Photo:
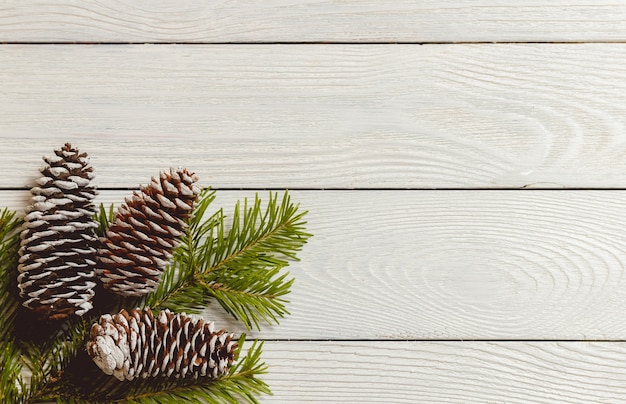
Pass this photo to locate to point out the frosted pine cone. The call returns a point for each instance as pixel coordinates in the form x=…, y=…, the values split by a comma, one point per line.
x=140, y=344
x=146, y=229
x=57, y=254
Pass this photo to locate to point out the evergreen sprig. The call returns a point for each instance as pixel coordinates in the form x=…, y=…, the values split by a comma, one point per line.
x=13, y=389
x=49, y=359
x=104, y=217
x=9, y=245
x=239, y=264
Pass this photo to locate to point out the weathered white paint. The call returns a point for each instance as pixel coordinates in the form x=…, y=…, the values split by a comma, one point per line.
x=446, y=372
x=450, y=265
x=312, y=20
x=323, y=116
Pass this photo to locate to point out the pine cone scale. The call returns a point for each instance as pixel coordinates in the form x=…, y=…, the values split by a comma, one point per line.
x=165, y=202
x=66, y=185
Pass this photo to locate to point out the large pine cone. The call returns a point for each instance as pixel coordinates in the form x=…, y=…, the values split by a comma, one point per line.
x=57, y=254
x=140, y=344
x=146, y=229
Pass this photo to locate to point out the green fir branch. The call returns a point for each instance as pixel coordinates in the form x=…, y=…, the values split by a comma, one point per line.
x=51, y=358
x=10, y=225
x=13, y=389
x=253, y=296
x=47, y=355
x=239, y=266
x=184, y=264
x=104, y=217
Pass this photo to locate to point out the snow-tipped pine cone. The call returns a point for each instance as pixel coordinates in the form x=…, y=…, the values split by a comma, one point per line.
x=147, y=227
x=58, y=241
x=140, y=344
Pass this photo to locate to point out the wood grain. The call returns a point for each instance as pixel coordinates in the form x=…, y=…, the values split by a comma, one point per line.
x=322, y=116
x=446, y=372
x=308, y=20
x=451, y=265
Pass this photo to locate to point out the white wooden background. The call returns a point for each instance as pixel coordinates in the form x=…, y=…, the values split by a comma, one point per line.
x=463, y=162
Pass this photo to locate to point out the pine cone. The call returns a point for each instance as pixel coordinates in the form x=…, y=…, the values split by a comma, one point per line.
x=57, y=254
x=146, y=229
x=140, y=344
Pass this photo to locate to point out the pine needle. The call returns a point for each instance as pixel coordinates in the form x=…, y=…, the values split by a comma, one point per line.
x=238, y=264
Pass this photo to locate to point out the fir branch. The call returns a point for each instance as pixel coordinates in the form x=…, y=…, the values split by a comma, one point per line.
x=253, y=296
x=64, y=347
x=239, y=267
x=13, y=389
x=9, y=225
x=180, y=273
x=48, y=358
x=104, y=217
x=9, y=245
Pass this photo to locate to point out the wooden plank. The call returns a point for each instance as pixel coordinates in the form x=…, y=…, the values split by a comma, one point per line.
x=308, y=20
x=340, y=116
x=451, y=265
x=446, y=372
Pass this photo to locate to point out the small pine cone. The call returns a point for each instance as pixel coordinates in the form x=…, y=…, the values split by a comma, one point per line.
x=141, y=344
x=58, y=241
x=146, y=229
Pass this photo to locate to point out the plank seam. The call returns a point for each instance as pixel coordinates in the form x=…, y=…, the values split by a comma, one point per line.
x=314, y=43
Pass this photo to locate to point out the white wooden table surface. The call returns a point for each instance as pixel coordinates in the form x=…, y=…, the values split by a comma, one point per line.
x=463, y=162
